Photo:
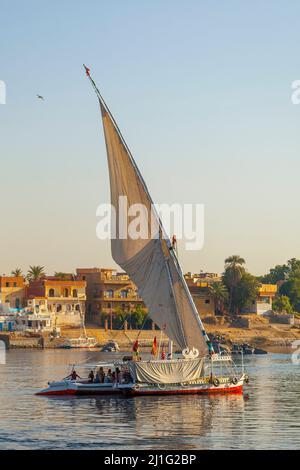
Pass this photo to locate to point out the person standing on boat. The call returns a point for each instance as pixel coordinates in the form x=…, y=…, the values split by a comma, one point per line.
x=118, y=375
x=101, y=374
x=91, y=377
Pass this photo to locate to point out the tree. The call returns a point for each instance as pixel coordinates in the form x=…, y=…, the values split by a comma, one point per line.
x=278, y=273
x=121, y=316
x=220, y=295
x=245, y=291
x=233, y=272
x=17, y=272
x=35, y=273
x=282, y=305
x=139, y=316
x=291, y=289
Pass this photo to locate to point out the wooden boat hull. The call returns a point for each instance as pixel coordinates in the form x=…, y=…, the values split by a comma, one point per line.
x=178, y=389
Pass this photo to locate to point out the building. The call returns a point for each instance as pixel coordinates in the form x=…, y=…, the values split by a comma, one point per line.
x=198, y=285
x=108, y=292
x=13, y=291
x=64, y=299
x=263, y=303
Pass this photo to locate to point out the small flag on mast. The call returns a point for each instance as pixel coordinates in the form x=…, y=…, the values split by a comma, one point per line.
x=154, y=347
x=136, y=346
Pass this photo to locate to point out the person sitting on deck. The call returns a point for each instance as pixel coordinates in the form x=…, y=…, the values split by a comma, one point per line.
x=91, y=377
x=113, y=377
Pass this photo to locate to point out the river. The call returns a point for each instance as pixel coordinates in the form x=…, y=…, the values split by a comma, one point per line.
x=266, y=417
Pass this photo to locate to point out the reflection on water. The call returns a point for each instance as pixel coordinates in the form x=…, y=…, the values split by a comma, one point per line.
x=266, y=417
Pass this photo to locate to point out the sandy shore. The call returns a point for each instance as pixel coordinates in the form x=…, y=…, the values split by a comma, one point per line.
x=258, y=332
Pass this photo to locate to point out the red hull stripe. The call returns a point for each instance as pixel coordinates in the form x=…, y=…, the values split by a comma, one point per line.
x=237, y=389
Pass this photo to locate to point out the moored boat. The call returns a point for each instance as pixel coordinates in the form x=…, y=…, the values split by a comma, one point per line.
x=181, y=377
x=150, y=259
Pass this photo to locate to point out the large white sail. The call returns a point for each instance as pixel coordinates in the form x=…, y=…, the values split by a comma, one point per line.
x=149, y=261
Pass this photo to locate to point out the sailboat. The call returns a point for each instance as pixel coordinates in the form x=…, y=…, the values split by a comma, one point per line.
x=152, y=264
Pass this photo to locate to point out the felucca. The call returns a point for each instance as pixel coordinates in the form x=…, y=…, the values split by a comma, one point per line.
x=152, y=264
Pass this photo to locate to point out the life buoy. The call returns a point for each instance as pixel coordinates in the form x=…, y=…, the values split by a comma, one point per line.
x=216, y=382
x=234, y=380
x=162, y=386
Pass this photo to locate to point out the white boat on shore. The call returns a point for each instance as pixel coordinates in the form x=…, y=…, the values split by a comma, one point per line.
x=82, y=342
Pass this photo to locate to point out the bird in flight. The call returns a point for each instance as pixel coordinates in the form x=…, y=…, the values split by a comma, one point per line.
x=40, y=97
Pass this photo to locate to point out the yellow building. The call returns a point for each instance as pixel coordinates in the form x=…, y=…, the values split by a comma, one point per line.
x=13, y=291
x=65, y=299
x=263, y=303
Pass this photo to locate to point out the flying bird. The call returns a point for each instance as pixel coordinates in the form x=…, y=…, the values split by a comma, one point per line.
x=40, y=97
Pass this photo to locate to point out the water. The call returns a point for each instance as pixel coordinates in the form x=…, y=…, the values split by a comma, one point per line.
x=266, y=417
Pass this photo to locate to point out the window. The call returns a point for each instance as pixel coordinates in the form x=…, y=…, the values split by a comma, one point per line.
x=7, y=284
x=124, y=294
x=75, y=293
x=207, y=301
x=51, y=293
x=66, y=292
x=15, y=284
x=109, y=293
x=58, y=308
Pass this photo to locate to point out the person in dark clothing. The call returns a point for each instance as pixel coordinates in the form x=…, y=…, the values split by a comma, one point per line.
x=91, y=377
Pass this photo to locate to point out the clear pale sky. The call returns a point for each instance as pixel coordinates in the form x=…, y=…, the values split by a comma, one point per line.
x=201, y=91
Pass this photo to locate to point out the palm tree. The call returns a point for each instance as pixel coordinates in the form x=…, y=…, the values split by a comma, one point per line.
x=233, y=272
x=17, y=272
x=220, y=295
x=35, y=273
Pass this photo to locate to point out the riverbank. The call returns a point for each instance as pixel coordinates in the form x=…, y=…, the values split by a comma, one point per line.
x=257, y=331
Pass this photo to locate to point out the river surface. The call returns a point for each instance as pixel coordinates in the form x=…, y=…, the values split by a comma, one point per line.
x=266, y=417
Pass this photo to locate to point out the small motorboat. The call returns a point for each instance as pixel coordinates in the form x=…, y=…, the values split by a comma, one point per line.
x=74, y=384
x=111, y=346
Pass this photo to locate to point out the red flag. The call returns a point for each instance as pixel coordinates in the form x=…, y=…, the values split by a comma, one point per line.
x=154, y=347
x=136, y=346
x=163, y=354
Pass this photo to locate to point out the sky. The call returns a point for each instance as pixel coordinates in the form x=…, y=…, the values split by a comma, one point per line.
x=202, y=93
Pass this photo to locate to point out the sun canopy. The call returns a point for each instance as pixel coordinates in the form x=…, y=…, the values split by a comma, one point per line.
x=162, y=372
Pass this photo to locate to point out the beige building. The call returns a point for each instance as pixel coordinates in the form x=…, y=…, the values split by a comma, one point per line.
x=108, y=292
x=198, y=285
